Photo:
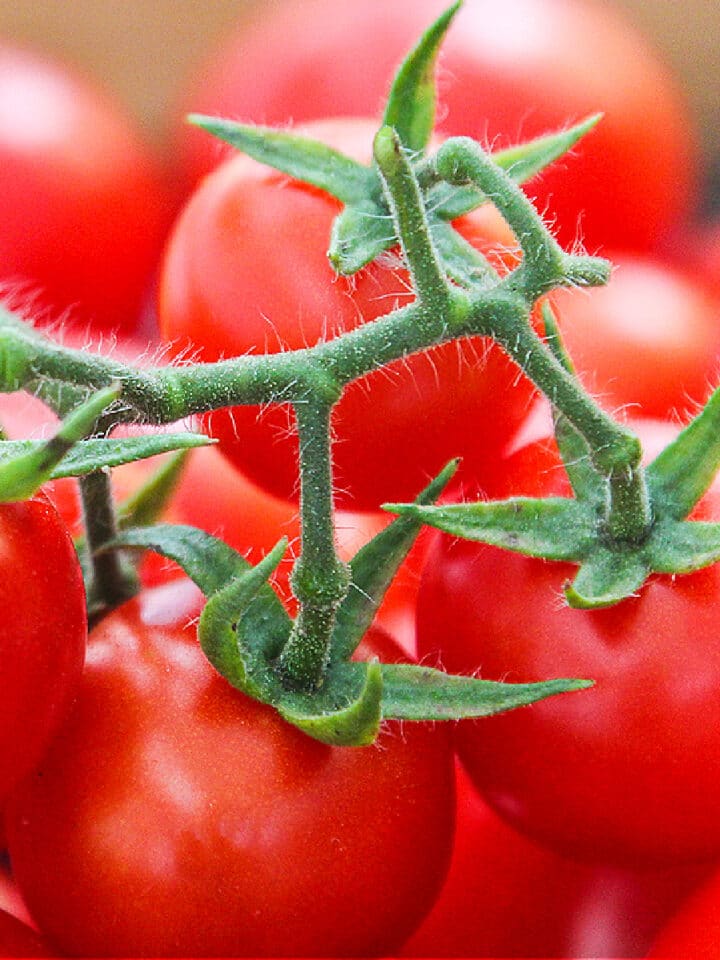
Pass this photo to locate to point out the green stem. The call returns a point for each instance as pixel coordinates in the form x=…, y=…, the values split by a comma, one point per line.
x=320, y=579
x=111, y=581
x=545, y=265
x=405, y=202
x=615, y=451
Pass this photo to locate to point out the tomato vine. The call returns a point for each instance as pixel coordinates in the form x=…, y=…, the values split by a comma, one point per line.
x=623, y=522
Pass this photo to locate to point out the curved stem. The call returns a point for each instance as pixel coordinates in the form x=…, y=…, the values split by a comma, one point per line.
x=545, y=264
x=614, y=450
x=320, y=579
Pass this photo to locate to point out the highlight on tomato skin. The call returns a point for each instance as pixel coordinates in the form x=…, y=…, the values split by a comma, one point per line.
x=507, y=72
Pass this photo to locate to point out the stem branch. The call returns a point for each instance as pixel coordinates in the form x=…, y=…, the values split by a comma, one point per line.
x=320, y=579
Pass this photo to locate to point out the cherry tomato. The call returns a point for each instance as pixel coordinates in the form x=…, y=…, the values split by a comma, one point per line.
x=43, y=633
x=508, y=71
x=246, y=271
x=184, y=819
x=648, y=342
x=628, y=771
x=83, y=204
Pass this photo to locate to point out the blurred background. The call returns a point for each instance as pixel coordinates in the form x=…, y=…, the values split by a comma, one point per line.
x=142, y=49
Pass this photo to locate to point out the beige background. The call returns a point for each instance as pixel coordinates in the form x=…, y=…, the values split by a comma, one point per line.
x=142, y=48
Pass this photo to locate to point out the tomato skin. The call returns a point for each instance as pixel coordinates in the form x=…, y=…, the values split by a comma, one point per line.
x=188, y=820
x=508, y=71
x=83, y=203
x=694, y=931
x=42, y=635
x=628, y=771
x=19, y=940
x=229, y=286
x=648, y=342
x=506, y=896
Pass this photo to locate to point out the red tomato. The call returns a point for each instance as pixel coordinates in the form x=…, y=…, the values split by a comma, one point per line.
x=628, y=771
x=508, y=897
x=83, y=205
x=19, y=940
x=223, y=290
x=694, y=932
x=43, y=633
x=508, y=71
x=649, y=341
x=176, y=817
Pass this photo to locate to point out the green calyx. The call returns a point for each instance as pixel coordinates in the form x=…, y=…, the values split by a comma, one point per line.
x=617, y=539
x=244, y=629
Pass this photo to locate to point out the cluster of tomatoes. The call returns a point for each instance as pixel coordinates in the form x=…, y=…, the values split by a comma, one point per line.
x=149, y=809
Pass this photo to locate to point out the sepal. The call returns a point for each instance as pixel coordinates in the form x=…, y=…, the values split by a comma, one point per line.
x=606, y=577
x=359, y=235
x=413, y=692
x=208, y=561
x=300, y=157
x=679, y=476
x=352, y=724
x=373, y=568
x=241, y=629
x=555, y=528
x=25, y=465
x=684, y=546
x=410, y=107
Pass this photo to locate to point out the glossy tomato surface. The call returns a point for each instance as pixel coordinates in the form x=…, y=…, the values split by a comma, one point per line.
x=508, y=71
x=176, y=817
x=246, y=272
x=43, y=632
x=83, y=204
x=628, y=771
x=694, y=931
x=506, y=896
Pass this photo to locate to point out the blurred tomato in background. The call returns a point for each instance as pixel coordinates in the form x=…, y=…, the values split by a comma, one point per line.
x=508, y=72
x=83, y=201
